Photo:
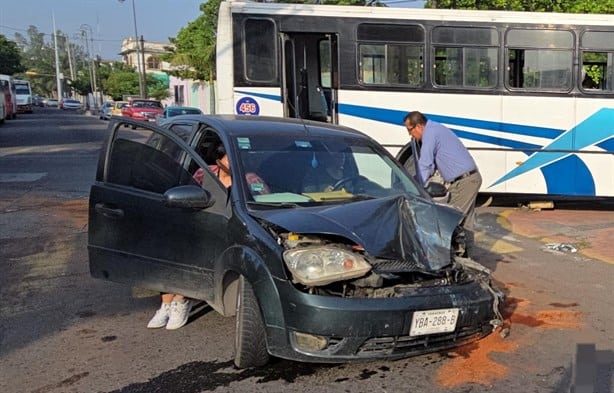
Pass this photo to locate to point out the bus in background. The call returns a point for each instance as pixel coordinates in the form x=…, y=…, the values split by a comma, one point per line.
x=530, y=94
x=10, y=98
x=2, y=107
x=24, y=95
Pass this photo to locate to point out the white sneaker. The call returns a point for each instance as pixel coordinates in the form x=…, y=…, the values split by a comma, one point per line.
x=178, y=314
x=160, y=319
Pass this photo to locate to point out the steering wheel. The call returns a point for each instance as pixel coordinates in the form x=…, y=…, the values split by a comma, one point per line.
x=348, y=179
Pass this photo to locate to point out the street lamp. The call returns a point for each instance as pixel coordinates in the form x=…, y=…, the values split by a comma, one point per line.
x=140, y=67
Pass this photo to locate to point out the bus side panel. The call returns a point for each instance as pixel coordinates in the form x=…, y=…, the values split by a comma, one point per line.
x=224, y=60
x=595, y=135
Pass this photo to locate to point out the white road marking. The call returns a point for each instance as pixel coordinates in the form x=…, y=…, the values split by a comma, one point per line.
x=21, y=177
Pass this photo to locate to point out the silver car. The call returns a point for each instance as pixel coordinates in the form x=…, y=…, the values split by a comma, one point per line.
x=105, y=110
x=70, y=104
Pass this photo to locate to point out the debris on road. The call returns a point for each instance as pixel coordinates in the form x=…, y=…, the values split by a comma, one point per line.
x=561, y=247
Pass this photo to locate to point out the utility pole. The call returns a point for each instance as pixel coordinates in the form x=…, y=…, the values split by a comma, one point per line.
x=93, y=69
x=87, y=49
x=139, y=61
x=143, y=74
x=58, y=74
x=70, y=66
x=72, y=69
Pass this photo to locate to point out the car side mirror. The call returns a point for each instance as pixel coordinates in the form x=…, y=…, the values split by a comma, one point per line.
x=436, y=190
x=188, y=197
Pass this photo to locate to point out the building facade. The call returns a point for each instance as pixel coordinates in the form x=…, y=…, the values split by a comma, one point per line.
x=181, y=92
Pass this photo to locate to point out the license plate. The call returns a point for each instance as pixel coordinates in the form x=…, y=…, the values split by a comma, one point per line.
x=433, y=321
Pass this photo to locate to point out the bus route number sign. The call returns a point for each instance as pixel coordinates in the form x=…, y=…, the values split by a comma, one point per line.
x=247, y=106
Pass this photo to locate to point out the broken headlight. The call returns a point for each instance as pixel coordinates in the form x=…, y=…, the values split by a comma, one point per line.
x=322, y=265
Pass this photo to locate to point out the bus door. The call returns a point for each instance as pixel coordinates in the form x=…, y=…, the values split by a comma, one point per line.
x=309, y=64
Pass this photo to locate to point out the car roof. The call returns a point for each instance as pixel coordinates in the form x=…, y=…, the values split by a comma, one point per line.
x=181, y=107
x=244, y=125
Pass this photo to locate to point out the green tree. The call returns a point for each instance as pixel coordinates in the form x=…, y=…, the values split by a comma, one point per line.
x=120, y=83
x=38, y=55
x=10, y=58
x=570, y=6
x=194, y=53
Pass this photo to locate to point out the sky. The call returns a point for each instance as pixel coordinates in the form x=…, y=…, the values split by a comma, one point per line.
x=110, y=20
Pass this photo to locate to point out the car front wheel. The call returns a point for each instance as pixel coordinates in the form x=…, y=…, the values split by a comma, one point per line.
x=250, y=335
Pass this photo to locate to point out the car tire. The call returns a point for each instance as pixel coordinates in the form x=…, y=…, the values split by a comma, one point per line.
x=250, y=334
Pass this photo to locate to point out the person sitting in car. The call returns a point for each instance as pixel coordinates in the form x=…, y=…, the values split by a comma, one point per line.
x=325, y=172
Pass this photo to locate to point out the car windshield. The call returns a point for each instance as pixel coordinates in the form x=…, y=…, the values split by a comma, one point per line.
x=146, y=104
x=183, y=111
x=312, y=170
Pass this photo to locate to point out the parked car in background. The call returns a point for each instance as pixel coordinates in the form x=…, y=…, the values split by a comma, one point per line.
x=38, y=101
x=52, y=103
x=116, y=110
x=364, y=269
x=70, y=104
x=142, y=109
x=171, y=111
x=105, y=110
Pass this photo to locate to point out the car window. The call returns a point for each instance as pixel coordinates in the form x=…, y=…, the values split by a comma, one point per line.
x=146, y=160
x=317, y=170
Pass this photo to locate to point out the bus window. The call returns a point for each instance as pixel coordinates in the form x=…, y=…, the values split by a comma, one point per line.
x=597, y=62
x=539, y=59
x=325, y=63
x=391, y=54
x=259, y=47
x=373, y=64
x=465, y=57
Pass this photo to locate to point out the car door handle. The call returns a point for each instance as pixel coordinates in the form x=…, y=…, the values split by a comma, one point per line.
x=108, y=211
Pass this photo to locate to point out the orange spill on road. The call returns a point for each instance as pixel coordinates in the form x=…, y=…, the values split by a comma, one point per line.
x=471, y=363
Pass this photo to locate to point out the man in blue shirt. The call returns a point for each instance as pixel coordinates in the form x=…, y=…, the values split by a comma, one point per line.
x=442, y=150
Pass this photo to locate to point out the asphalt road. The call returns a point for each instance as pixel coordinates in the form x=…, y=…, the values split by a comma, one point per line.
x=62, y=331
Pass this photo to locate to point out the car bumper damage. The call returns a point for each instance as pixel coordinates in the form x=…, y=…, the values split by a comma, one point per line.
x=383, y=284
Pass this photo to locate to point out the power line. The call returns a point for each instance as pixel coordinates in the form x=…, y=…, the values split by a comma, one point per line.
x=50, y=35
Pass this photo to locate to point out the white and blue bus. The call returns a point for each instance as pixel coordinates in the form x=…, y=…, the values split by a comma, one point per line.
x=530, y=94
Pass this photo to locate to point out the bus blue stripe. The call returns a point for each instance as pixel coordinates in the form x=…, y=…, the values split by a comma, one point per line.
x=569, y=176
x=607, y=145
x=513, y=144
x=396, y=117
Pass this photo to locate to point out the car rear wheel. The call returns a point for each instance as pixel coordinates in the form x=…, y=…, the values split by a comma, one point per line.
x=250, y=335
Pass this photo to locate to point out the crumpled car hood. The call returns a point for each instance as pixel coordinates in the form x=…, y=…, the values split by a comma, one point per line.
x=396, y=228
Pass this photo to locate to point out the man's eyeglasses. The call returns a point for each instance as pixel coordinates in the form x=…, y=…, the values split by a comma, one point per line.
x=410, y=129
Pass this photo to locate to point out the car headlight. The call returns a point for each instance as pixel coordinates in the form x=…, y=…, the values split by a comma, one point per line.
x=323, y=265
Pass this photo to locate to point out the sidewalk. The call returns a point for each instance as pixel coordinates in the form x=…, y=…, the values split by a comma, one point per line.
x=590, y=232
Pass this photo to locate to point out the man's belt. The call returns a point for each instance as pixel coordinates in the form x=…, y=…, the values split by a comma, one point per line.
x=464, y=175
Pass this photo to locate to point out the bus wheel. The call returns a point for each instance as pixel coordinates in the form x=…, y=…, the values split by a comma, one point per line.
x=250, y=334
x=406, y=158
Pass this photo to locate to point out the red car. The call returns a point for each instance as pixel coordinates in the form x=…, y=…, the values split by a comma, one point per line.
x=143, y=109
